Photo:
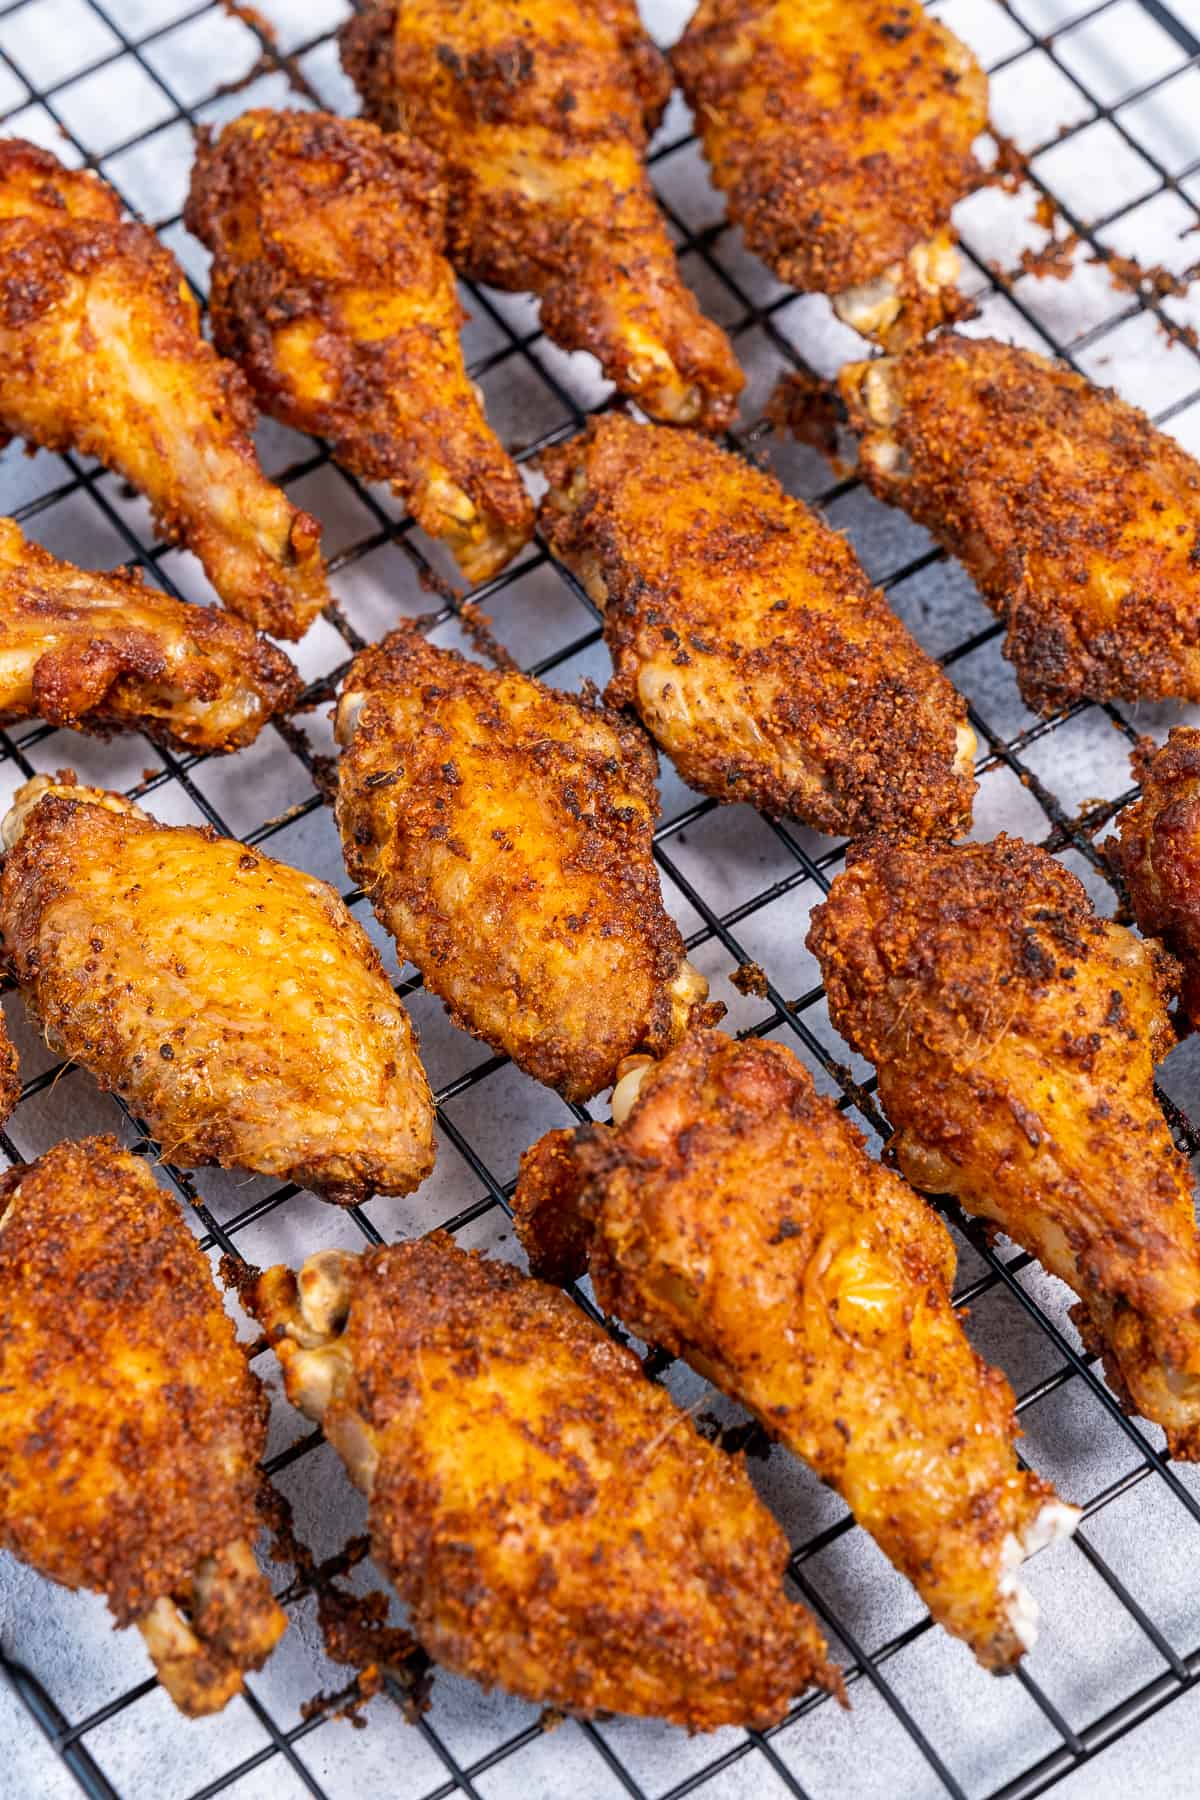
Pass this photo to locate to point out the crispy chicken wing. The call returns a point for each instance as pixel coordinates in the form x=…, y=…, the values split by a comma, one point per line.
x=553, y=1522
x=131, y=1425
x=841, y=131
x=1158, y=853
x=503, y=833
x=747, y=637
x=101, y=352
x=541, y=110
x=1015, y=1035
x=331, y=292
x=231, y=1000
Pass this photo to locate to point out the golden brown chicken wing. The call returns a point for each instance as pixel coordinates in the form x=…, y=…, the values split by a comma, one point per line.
x=1158, y=853
x=541, y=110
x=331, y=292
x=101, y=352
x=1015, y=1035
x=502, y=831
x=131, y=1425
x=841, y=131
x=748, y=639
x=230, y=1000
x=552, y=1521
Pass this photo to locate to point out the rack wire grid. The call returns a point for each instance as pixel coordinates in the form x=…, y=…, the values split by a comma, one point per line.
x=1102, y=100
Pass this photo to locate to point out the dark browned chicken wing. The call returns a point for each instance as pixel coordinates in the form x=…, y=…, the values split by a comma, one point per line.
x=1158, y=853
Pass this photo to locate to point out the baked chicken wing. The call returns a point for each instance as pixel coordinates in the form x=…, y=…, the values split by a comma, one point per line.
x=502, y=831
x=552, y=1521
x=1015, y=1035
x=229, y=999
x=841, y=132
x=330, y=291
x=1158, y=853
x=541, y=111
x=748, y=639
x=101, y=352
x=131, y=1425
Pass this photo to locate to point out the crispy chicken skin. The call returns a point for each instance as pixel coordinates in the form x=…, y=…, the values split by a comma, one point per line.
x=331, y=292
x=231, y=1000
x=841, y=131
x=541, y=111
x=101, y=352
x=131, y=1425
x=1158, y=853
x=746, y=636
x=1015, y=1035
x=502, y=831
x=1074, y=516
x=553, y=1522
x=104, y=653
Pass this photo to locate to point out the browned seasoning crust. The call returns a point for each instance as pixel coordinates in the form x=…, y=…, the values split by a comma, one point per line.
x=101, y=352
x=1158, y=852
x=330, y=291
x=748, y=639
x=10, y=1073
x=502, y=831
x=541, y=112
x=1015, y=1035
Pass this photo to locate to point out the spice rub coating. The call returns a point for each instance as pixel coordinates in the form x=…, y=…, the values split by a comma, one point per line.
x=1157, y=852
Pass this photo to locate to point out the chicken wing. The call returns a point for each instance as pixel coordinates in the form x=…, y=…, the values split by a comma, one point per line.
x=552, y=1521
x=748, y=639
x=101, y=352
x=330, y=291
x=1158, y=853
x=841, y=132
x=541, y=111
x=1015, y=1035
x=230, y=1000
x=131, y=1425
x=502, y=831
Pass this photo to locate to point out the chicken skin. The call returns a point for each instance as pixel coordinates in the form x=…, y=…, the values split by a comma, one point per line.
x=101, y=352
x=749, y=641
x=104, y=653
x=502, y=832
x=231, y=1001
x=330, y=291
x=541, y=114
x=1015, y=1035
x=553, y=1522
x=1158, y=853
x=841, y=132
x=131, y=1425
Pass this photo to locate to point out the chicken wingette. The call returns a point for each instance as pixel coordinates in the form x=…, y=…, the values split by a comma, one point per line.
x=502, y=831
x=541, y=111
x=841, y=132
x=101, y=352
x=1158, y=853
x=331, y=293
x=552, y=1521
x=1015, y=1036
x=230, y=1000
x=131, y=1425
x=747, y=637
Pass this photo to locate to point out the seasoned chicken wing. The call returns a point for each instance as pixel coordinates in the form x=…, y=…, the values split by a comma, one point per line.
x=502, y=831
x=747, y=637
x=229, y=999
x=1158, y=853
x=1015, y=1035
x=841, y=131
x=131, y=1425
x=101, y=352
x=552, y=1521
x=541, y=110
x=330, y=290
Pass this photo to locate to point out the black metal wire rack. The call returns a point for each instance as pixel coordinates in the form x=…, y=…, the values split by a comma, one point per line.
x=726, y=874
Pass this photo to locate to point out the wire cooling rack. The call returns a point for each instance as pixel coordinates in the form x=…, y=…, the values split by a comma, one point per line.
x=1103, y=101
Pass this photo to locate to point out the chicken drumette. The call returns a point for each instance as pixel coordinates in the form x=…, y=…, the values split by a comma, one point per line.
x=749, y=640
x=1015, y=1035
x=541, y=110
x=131, y=1426
x=552, y=1521
x=229, y=999
x=331, y=292
x=101, y=352
x=1158, y=853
